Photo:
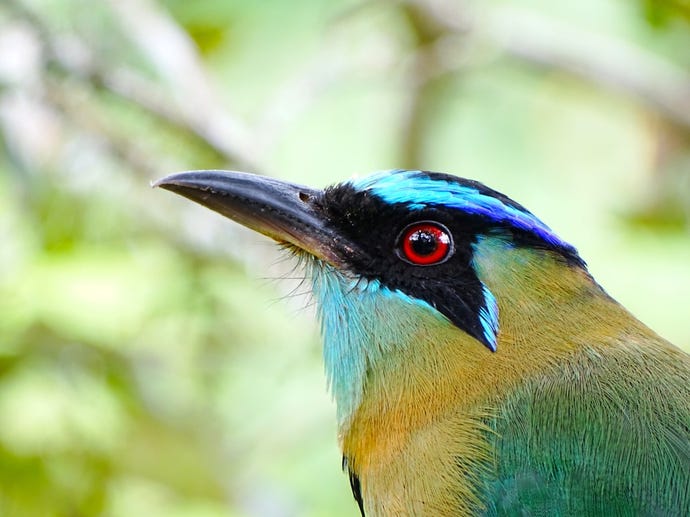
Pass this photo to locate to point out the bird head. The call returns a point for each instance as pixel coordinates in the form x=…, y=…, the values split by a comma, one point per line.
x=397, y=254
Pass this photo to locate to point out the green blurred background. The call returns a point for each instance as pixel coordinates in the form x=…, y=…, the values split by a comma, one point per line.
x=157, y=360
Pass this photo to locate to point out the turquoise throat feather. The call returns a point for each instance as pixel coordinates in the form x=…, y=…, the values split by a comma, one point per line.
x=361, y=323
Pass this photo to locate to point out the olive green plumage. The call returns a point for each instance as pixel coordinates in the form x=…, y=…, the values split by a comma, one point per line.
x=598, y=436
x=582, y=410
x=603, y=428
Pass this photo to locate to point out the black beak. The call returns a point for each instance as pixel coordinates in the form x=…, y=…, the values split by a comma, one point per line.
x=286, y=212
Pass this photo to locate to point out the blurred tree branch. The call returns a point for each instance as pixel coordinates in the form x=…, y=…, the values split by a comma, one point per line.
x=195, y=109
x=444, y=31
x=536, y=39
x=421, y=74
x=196, y=112
x=661, y=85
x=198, y=108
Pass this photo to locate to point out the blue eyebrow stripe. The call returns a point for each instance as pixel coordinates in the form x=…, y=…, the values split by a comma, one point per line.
x=417, y=190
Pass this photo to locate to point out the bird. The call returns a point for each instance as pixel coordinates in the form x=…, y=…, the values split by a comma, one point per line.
x=476, y=365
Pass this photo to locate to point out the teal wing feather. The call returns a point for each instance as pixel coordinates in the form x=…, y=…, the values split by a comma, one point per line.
x=603, y=436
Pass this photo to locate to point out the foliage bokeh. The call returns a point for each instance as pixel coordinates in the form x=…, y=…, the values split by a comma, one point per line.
x=158, y=360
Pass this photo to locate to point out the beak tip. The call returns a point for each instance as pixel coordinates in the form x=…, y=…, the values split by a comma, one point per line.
x=167, y=182
x=160, y=182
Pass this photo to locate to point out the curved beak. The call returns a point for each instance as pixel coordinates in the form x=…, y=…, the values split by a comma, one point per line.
x=286, y=212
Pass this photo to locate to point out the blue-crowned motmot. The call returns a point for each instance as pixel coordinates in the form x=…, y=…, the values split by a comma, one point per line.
x=477, y=367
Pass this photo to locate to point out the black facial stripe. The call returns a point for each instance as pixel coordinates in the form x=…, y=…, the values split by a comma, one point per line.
x=452, y=286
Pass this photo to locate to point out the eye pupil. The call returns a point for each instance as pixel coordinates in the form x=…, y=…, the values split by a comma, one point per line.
x=425, y=244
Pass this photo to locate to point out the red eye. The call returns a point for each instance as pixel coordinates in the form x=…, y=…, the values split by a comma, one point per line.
x=425, y=244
